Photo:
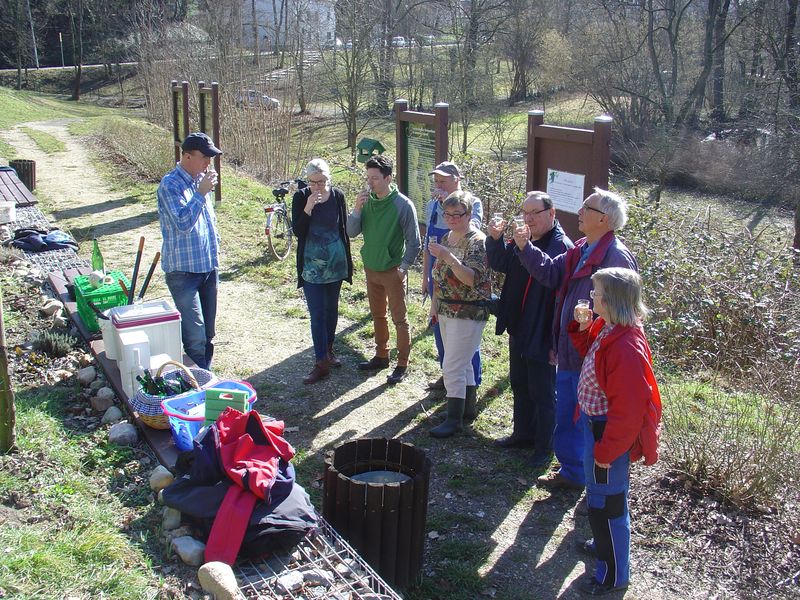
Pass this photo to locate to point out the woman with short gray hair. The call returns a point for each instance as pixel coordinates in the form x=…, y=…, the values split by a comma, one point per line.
x=620, y=416
x=319, y=216
x=461, y=289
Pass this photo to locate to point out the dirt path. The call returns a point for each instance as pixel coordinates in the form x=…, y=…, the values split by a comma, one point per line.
x=517, y=537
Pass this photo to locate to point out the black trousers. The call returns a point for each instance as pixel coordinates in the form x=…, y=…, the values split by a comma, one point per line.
x=533, y=384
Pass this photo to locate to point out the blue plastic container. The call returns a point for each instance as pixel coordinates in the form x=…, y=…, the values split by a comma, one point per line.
x=186, y=413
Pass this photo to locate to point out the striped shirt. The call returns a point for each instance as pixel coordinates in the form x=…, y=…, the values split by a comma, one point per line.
x=188, y=225
x=591, y=397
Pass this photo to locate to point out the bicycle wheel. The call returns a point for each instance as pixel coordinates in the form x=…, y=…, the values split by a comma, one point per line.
x=279, y=234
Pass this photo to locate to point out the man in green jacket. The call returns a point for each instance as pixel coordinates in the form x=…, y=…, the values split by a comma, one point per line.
x=388, y=221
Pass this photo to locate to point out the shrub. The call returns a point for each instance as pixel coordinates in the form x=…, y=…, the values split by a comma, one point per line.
x=145, y=148
x=54, y=343
x=723, y=300
x=741, y=448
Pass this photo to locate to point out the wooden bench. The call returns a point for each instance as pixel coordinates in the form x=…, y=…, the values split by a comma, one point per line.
x=160, y=440
x=13, y=190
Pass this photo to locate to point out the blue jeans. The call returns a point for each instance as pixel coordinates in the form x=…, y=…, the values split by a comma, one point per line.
x=323, y=307
x=607, y=500
x=567, y=435
x=195, y=297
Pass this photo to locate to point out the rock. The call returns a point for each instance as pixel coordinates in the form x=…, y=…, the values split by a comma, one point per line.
x=123, y=434
x=61, y=374
x=105, y=393
x=96, y=384
x=60, y=322
x=318, y=577
x=183, y=531
x=160, y=478
x=52, y=307
x=289, y=582
x=171, y=518
x=112, y=415
x=218, y=579
x=101, y=404
x=190, y=550
x=87, y=375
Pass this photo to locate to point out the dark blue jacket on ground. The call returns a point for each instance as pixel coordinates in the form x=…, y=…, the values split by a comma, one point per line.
x=526, y=306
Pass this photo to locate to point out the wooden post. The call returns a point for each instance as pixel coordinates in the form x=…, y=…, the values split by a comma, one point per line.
x=201, y=106
x=215, y=134
x=176, y=134
x=185, y=91
x=441, y=110
x=601, y=151
x=535, y=118
x=401, y=145
x=8, y=415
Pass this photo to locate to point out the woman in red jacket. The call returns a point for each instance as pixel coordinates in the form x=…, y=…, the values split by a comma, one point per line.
x=620, y=416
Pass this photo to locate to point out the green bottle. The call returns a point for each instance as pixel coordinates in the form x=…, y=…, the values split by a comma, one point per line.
x=97, y=258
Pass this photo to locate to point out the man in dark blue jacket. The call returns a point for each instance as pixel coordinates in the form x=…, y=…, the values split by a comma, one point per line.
x=526, y=313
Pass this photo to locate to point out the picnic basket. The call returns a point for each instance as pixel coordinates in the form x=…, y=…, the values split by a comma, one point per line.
x=149, y=406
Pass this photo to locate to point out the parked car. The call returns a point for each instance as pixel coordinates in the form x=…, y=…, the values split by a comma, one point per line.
x=255, y=99
x=399, y=41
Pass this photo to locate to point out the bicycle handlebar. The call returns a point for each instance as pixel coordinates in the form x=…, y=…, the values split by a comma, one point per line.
x=280, y=192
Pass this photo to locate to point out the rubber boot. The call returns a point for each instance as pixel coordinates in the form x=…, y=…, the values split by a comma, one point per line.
x=455, y=414
x=332, y=360
x=320, y=371
x=471, y=404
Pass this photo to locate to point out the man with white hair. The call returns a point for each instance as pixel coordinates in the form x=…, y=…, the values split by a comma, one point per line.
x=570, y=273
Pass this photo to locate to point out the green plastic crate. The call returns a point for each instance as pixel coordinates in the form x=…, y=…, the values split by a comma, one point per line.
x=103, y=297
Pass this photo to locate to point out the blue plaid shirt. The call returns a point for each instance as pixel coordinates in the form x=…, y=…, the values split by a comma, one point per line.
x=188, y=225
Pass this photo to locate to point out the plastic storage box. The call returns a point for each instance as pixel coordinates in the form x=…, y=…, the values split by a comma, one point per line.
x=158, y=319
x=186, y=413
x=103, y=297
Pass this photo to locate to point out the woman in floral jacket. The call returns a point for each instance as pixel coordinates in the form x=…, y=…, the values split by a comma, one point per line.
x=460, y=303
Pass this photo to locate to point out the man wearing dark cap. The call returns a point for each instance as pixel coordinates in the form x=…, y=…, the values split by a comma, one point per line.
x=190, y=247
x=446, y=180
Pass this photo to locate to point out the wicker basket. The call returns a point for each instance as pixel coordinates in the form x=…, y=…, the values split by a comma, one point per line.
x=148, y=407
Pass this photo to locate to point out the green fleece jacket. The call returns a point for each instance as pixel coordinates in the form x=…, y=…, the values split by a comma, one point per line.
x=391, y=233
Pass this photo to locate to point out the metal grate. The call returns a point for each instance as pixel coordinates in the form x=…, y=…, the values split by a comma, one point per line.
x=348, y=577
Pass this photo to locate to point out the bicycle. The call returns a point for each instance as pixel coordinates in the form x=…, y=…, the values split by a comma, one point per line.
x=278, y=226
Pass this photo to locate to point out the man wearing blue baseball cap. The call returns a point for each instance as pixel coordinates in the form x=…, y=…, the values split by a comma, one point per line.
x=190, y=247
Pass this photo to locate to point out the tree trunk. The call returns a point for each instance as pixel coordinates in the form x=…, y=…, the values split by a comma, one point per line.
x=718, y=77
x=77, y=34
x=8, y=416
x=256, y=53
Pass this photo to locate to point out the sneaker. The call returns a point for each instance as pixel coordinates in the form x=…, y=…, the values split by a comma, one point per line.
x=592, y=587
x=556, y=481
x=376, y=363
x=397, y=375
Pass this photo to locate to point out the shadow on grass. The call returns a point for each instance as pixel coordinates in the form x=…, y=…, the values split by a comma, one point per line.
x=80, y=211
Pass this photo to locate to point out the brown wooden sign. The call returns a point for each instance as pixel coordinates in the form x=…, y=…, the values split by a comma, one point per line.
x=569, y=151
x=208, y=104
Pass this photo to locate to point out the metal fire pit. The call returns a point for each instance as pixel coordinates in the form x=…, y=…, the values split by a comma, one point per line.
x=376, y=497
x=351, y=578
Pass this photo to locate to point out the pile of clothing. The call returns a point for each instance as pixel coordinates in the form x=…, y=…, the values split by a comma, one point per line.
x=239, y=489
x=33, y=239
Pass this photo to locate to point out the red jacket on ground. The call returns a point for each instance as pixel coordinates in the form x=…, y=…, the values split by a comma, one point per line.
x=624, y=367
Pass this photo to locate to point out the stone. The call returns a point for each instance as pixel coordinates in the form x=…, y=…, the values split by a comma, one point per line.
x=218, y=579
x=101, y=404
x=105, y=393
x=112, y=415
x=60, y=322
x=123, y=434
x=61, y=374
x=87, y=375
x=289, y=582
x=160, y=478
x=318, y=577
x=52, y=307
x=171, y=519
x=190, y=550
x=96, y=384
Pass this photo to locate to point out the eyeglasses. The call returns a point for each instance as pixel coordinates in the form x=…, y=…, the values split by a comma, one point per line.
x=597, y=210
x=593, y=294
x=532, y=213
x=448, y=215
x=317, y=181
